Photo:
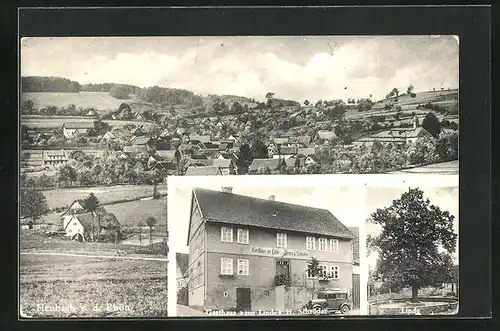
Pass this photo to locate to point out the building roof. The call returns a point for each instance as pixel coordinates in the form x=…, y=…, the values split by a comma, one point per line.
x=280, y=140
x=166, y=153
x=301, y=140
x=182, y=262
x=54, y=153
x=202, y=139
x=400, y=134
x=135, y=149
x=272, y=164
x=222, y=163
x=200, y=162
x=85, y=220
x=327, y=135
x=290, y=162
x=287, y=150
x=110, y=135
x=79, y=125
x=306, y=151
x=203, y=171
x=237, y=209
x=142, y=141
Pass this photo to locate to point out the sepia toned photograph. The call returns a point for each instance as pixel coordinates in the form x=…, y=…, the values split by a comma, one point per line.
x=105, y=120
x=412, y=245
x=267, y=250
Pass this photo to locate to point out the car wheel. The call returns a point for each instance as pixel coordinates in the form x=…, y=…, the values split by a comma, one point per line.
x=345, y=309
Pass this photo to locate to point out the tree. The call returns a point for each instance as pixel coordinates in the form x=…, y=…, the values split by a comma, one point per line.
x=151, y=221
x=313, y=270
x=336, y=112
x=412, y=231
x=119, y=92
x=409, y=90
x=306, y=103
x=237, y=108
x=432, y=124
x=395, y=92
x=259, y=150
x=33, y=203
x=91, y=203
x=67, y=173
x=140, y=224
x=269, y=95
x=244, y=159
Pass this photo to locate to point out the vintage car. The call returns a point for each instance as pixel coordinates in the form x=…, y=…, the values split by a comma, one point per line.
x=331, y=300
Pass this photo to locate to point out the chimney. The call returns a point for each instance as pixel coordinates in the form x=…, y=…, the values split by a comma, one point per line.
x=227, y=189
x=272, y=198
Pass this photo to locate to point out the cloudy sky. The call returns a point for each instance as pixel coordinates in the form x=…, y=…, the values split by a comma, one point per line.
x=446, y=198
x=298, y=68
x=340, y=201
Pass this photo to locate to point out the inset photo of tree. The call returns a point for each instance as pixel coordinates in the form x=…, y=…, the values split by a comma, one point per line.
x=412, y=248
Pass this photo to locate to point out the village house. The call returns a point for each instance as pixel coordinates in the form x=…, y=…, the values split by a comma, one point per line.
x=226, y=166
x=54, y=158
x=196, y=139
x=108, y=136
x=80, y=224
x=394, y=136
x=311, y=160
x=260, y=164
x=164, y=168
x=299, y=141
x=306, y=151
x=135, y=149
x=138, y=131
x=72, y=129
x=142, y=141
x=295, y=162
x=246, y=262
x=286, y=152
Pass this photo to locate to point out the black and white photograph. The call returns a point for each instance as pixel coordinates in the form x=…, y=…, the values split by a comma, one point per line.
x=105, y=120
x=277, y=249
x=412, y=247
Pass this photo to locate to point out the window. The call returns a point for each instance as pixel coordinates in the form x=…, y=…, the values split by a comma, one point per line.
x=324, y=269
x=310, y=243
x=309, y=273
x=281, y=239
x=322, y=244
x=226, y=234
x=334, y=245
x=74, y=223
x=243, y=267
x=226, y=266
x=334, y=272
x=242, y=236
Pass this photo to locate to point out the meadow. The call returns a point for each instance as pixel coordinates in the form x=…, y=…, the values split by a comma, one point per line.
x=64, y=197
x=92, y=287
x=44, y=122
x=96, y=100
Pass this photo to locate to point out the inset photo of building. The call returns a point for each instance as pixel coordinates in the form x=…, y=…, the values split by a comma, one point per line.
x=265, y=250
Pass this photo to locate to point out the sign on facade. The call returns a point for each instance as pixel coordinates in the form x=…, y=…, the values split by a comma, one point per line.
x=279, y=252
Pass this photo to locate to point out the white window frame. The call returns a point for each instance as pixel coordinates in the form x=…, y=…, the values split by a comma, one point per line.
x=334, y=272
x=334, y=245
x=239, y=236
x=245, y=264
x=324, y=269
x=281, y=236
x=224, y=266
x=230, y=230
x=307, y=273
x=310, y=243
x=323, y=244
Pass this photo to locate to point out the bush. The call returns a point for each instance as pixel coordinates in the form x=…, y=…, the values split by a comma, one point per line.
x=119, y=92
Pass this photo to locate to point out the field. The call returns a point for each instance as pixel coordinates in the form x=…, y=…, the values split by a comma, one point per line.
x=92, y=287
x=96, y=100
x=55, y=122
x=63, y=197
x=130, y=213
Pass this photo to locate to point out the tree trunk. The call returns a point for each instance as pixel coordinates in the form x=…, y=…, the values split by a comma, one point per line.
x=414, y=293
x=150, y=235
x=98, y=227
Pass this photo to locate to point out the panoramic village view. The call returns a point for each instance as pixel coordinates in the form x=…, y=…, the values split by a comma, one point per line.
x=104, y=121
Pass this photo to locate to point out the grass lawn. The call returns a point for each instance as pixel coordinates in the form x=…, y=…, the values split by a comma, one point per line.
x=64, y=197
x=130, y=213
x=97, y=100
x=89, y=287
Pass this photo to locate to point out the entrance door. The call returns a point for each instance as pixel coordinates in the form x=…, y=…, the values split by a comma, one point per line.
x=243, y=299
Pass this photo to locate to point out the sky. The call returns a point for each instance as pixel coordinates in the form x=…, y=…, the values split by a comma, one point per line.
x=446, y=198
x=292, y=67
x=340, y=201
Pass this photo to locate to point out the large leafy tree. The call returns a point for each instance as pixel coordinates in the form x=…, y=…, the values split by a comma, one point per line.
x=244, y=159
x=33, y=203
x=91, y=203
x=259, y=150
x=412, y=233
x=431, y=123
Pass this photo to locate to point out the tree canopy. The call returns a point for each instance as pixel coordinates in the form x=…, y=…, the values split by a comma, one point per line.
x=33, y=203
x=431, y=123
x=415, y=242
